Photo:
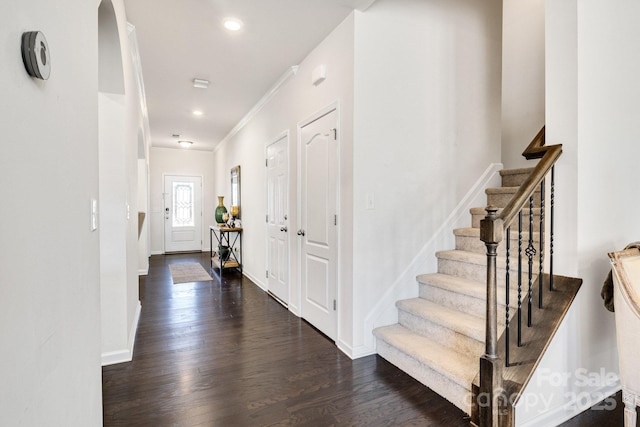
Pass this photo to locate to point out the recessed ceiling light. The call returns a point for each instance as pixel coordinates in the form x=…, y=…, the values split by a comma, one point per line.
x=197, y=113
x=185, y=144
x=232, y=24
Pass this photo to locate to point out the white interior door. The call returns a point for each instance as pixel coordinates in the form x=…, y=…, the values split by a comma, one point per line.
x=182, y=213
x=277, y=219
x=318, y=222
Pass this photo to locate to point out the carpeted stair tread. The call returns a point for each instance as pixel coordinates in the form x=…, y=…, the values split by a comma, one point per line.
x=504, y=190
x=459, y=285
x=465, y=256
x=455, y=320
x=517, y=171
x=473, y=258
x=460, y=368
x=447, y=281
x=483, y=211
x=468, y=239
x=478, y=213
x=475, y=232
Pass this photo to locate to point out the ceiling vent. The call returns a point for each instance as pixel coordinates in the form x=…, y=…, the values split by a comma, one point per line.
x=201, y=83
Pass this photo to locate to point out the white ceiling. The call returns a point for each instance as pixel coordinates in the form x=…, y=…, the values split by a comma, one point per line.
x=180, y=40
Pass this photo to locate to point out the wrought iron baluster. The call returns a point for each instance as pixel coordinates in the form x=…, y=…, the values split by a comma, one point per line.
x=552, y=199
x=530, y=252
x=507, y=278
x=541, y=237
x=520, y=278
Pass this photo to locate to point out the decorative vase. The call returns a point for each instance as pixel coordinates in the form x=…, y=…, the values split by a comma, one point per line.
x=220, y=211
x=224, y=252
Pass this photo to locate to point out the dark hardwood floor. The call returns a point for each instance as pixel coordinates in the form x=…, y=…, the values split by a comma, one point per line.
x=227, y=354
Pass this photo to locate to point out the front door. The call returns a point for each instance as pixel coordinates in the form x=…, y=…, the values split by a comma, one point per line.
x=277, y=219
x=318, y=221
x=182, y=213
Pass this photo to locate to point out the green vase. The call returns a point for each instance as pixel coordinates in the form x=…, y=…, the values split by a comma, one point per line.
x=224, y=252
x=220, y=211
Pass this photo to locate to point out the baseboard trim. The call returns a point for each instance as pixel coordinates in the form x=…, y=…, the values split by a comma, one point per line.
x=361, y=351
x=405, y=286
x=143, y=272
x=345, y=348
x=295, y=310
x=125, y=355
x=255, y=280
x=157, y=252
x=578, y=403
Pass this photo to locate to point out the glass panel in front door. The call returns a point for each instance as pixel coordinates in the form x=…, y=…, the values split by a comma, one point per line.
x=183, y=204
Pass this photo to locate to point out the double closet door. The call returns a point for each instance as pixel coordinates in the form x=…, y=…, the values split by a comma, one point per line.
x=317, y=233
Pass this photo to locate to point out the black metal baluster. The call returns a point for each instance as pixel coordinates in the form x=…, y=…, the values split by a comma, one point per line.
x=541, y=236
x=552, y=198
x=520, y=279
x=530, y=252
x=507, y=278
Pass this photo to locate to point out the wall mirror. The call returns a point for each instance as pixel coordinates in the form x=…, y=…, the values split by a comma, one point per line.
x=235, y=188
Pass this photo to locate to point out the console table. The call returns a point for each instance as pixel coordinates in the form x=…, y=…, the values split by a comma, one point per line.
x=226, y=248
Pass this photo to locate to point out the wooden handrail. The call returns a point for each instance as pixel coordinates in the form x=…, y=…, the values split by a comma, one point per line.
x=535, y=148
x=548, y=156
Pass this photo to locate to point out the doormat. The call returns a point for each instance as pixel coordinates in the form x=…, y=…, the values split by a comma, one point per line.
x=188, y=272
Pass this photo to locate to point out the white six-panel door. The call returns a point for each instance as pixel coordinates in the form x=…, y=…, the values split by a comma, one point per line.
x=182, y=213
x=318, y=222
x=278, y=219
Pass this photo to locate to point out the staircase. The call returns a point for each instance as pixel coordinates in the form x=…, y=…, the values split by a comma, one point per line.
x=440, y=335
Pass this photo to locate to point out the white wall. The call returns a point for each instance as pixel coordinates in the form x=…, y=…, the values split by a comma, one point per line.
x=427, y=126
x=592, y=109
x=523, y=82
x=427, y=116
x=121, y=121
x=49, y=261
x=144, y=238
x=295, y=101
x=144, y=142
x=165, y=161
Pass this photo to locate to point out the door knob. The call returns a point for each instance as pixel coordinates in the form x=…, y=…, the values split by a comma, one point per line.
x=300, y=232
x=284, y=229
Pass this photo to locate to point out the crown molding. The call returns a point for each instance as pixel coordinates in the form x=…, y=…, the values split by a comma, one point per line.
x=290, y=72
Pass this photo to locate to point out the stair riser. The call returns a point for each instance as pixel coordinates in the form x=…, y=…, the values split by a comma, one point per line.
x=474, y=244
x=478, y=273
x=445, y=336
x=501, y=200
x=514, y=180
x=466, y=303
x=444, y=386
x=477, y=217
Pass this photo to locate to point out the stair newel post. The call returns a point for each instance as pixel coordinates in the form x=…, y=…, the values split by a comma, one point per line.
x=491, y=391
